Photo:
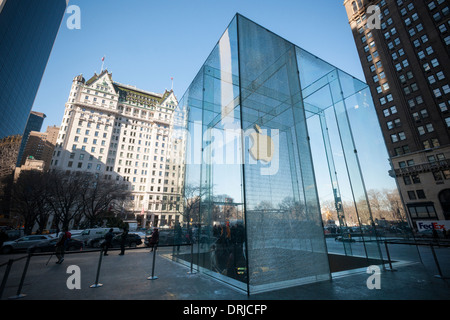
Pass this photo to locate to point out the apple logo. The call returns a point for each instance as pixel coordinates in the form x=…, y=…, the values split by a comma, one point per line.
x=263, y=147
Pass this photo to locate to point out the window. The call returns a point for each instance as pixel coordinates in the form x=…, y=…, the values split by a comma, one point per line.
x=437, y=93
x=431, y=5
x=394, y=138
x=407, y=180
x=431, y=79
x=420, y=194
x=434, y=62
x=446, y=89
x=412, y=195
x=421, y=55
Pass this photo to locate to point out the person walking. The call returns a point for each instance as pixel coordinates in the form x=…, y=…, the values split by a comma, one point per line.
x=123, y=240
x=108, y=241
x=61, y=244
x=155, y=239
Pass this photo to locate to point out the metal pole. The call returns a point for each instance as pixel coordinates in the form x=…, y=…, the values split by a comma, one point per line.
x=153, y=266
x=19, y=290
x=389, y=257
x=437, y=263
x=192, y=259
x=5, y=276
x=96, y=284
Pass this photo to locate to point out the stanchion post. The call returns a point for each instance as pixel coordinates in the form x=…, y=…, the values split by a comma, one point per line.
x=389, y=257
x=153, y=277
x=22, y=280
x=192, y=259
x=96, y=284
x=437, y=263
x=5, y=276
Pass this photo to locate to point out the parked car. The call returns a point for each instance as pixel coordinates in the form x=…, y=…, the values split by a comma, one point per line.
x=22, y=244
x=50, y=245
x=133, y=240
x=95, y=242
x=89, y=234
x=344, y=238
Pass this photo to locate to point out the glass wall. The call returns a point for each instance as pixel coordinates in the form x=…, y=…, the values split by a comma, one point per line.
x=272, y=160
x=28, y=30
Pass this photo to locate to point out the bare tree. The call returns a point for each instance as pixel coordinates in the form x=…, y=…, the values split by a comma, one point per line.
x=98, y=198
x=28, y=199
x=64, y=195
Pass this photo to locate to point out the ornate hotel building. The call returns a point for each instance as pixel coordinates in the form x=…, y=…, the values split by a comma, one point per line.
x=404, y=48
x=124, y=134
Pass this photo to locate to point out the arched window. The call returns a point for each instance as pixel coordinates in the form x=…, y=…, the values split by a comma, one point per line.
x=360, y=5
x=355, y=8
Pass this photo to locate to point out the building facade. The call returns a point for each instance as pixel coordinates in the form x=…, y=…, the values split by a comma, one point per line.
x=124, y=134
x=28, y=30
x=34, y=123
x=40, y=146
x=404, y=51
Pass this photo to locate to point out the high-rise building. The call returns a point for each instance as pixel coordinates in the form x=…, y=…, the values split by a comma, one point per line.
x=124, y=134
x=28, y=29
x=404, y=50
x=40, y=146
x=34, y=123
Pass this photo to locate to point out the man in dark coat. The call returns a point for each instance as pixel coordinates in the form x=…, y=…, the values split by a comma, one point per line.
x=123, y=240
x=108, y=241
x=155, y=239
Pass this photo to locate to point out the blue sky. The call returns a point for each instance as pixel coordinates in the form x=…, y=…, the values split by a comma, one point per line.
x=146, y=42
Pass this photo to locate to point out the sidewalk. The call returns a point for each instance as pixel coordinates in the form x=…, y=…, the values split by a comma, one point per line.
x=126, y=278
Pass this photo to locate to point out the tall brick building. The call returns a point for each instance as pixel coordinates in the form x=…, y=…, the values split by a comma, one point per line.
x=404, y=51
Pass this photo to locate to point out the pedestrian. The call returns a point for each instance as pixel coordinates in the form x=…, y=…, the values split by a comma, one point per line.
x=213, y=259
x=61, y=244
x=123, y=240
x=3, y=237
x=108, y=241
x=155, y=239
x=435, y=234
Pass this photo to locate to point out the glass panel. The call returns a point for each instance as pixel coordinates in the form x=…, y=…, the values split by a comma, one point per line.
x=284, y=228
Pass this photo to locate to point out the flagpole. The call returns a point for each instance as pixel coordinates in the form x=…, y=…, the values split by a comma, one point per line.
x=103, y=61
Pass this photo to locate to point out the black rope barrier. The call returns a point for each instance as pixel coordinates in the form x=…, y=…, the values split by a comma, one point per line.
x=19, y=293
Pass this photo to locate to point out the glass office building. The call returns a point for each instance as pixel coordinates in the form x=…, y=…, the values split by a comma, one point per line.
x=34, y=123
x=28, y=30
x=273, y=136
